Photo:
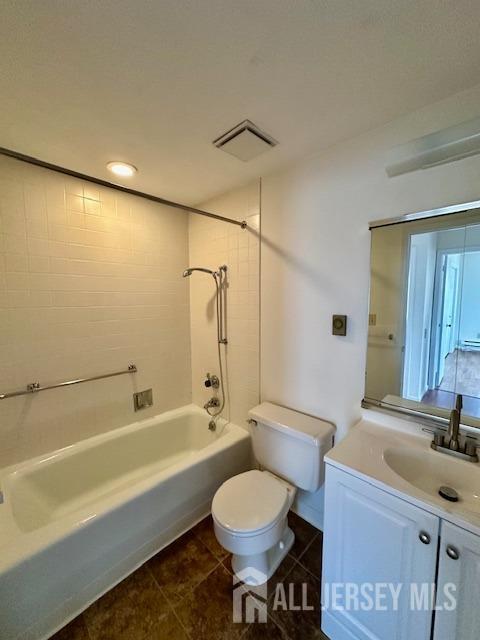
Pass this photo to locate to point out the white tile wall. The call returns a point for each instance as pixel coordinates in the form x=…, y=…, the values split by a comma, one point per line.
x=90, y=280
x=211, y=244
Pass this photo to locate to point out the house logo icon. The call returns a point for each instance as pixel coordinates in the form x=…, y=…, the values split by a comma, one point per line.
x=249, y=600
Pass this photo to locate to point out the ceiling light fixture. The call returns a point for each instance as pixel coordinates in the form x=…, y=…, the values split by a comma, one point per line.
x=122, y=169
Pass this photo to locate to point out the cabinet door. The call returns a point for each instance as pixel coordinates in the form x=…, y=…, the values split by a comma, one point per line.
x=373, y=540
x=458, y=574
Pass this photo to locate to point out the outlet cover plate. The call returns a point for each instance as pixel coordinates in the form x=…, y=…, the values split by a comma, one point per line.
x=339, y=325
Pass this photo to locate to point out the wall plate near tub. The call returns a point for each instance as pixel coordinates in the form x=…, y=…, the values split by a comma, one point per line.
x=339, y=325
x=142, y=399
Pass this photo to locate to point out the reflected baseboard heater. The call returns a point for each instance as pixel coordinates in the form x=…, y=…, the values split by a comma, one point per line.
x=454, y=143
x=470, y=344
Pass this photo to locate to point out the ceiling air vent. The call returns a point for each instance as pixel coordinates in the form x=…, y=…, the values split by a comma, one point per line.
x=245, y=141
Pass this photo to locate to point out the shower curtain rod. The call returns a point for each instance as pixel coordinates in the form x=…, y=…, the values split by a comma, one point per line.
x=104, y=183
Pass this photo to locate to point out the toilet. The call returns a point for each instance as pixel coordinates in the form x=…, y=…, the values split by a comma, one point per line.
x=250, y=510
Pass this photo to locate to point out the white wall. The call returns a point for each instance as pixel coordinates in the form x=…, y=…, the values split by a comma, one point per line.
x=315, y=256
x=90, y=280
x=213, y=243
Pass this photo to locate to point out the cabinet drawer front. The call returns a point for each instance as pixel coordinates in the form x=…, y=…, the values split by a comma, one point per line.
x=459, y=565
x=374, y=538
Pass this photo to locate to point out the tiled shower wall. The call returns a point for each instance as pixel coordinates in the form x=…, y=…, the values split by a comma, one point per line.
x=90, y=280
x=213, y=243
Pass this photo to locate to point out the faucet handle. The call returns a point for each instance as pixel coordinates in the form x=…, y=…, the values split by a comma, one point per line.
x=438, y=439
x=470, y=447
x=459, y=402
x=212, y=381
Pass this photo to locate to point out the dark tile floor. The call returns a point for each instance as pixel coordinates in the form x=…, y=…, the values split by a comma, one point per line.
x=185, y=593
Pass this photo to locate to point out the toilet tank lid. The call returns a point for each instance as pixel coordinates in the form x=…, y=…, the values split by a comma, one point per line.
x=293, y=423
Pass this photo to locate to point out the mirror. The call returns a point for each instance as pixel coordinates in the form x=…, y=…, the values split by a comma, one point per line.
x=424, y=317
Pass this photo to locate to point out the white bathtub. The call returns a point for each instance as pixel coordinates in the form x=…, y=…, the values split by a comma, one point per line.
x=78, y=520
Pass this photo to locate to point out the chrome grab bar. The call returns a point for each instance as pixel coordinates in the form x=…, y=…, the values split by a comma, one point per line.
x=35, y=387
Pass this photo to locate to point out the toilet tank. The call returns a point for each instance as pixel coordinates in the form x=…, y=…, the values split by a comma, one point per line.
x=291, y=444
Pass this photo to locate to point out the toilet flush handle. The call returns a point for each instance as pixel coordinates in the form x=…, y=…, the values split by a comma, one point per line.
x=252, y=422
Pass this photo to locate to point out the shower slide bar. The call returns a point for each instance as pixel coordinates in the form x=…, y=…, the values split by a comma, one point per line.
x=112, y=185
x=35, y=387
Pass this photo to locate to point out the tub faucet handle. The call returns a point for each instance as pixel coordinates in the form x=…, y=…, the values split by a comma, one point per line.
x=212, y=381
x=213, y=402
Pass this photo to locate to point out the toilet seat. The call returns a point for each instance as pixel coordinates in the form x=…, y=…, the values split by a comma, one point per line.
x=251, y=503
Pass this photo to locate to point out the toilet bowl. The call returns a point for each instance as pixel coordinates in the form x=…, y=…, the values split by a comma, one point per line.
x=250, y=510
x=250, y=520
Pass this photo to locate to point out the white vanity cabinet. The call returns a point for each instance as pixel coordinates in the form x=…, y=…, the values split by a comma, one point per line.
x=373, y=538
x=459, y=564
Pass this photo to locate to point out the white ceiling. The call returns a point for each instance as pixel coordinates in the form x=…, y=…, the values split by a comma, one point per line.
x=154, y=82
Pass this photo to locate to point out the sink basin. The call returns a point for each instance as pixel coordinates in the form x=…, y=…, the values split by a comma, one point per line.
x=428, y=470
x=394, y=455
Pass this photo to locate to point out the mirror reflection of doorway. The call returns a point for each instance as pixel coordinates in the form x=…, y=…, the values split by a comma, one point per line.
x=448, y=317
x=442, y=328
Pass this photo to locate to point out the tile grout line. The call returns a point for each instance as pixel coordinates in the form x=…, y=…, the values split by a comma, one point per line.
x=299, y=560
x=207, y=547
x=204, y=577
x=178, y=619
x=169, y=604
x=308, y=545
x=310, y=572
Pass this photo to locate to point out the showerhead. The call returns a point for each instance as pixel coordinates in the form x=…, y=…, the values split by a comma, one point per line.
x=190, y=270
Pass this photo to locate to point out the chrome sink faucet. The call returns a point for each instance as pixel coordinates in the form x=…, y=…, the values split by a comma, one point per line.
x=453, y=446
x=454, y=424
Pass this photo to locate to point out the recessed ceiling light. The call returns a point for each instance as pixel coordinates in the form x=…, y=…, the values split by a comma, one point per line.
x=122, y=169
